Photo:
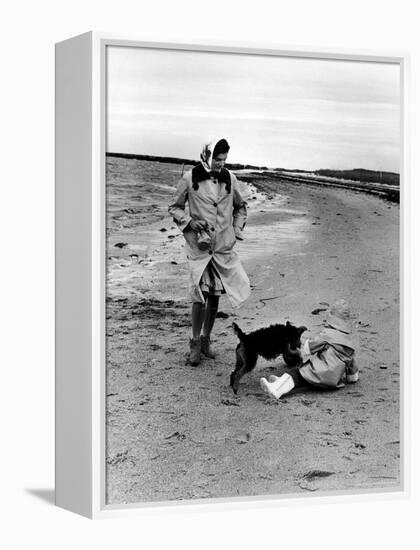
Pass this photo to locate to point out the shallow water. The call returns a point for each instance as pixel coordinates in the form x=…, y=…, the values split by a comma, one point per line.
x=150, y=259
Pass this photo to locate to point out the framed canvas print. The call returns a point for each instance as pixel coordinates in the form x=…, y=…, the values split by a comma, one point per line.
x=230, y=285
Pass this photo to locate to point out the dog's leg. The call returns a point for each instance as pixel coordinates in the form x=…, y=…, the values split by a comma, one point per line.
x=244, y=363
x=238, y=366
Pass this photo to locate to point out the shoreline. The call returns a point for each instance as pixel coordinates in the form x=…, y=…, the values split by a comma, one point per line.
x=177, y=432
x=383, y=183
x=387, y=192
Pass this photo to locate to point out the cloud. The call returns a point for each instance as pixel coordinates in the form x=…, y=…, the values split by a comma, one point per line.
x=277, y=111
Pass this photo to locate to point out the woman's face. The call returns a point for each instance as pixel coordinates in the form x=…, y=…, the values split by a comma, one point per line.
x=218, y=162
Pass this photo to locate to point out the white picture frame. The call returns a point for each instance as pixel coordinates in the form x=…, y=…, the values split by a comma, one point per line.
x=80, y=267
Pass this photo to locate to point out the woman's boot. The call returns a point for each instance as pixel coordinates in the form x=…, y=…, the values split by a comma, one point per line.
x=195, y=351
x=206, y=348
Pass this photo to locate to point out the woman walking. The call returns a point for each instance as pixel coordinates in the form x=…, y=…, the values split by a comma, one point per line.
x=216, y=218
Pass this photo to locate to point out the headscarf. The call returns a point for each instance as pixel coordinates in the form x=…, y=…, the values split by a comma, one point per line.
x=203, y=170
x=206, y=156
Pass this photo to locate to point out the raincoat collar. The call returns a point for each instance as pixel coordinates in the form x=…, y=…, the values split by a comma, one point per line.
x=201, y=173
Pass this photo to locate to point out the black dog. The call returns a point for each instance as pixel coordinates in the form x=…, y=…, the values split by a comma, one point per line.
x=268, y=342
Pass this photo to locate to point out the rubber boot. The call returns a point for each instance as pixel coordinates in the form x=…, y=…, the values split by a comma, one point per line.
x=195, y=352
x=279, y=387
x=205, y=347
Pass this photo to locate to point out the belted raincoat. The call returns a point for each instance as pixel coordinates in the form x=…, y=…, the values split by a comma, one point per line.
x=225, y=214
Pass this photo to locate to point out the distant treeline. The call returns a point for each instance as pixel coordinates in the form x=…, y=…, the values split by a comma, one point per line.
x=176, y=160
x=357, y=174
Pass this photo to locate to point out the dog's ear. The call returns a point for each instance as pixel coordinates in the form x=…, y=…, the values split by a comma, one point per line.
x=288, y=324
x=302, y=329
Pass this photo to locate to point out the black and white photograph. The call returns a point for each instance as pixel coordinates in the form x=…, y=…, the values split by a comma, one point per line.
x=252, y=275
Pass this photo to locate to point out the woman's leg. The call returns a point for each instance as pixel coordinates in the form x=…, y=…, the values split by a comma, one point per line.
x=212, y=305
x=197, y=316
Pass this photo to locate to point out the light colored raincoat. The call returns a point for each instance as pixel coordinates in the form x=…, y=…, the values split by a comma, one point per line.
x=328, y=361
x=225, y=214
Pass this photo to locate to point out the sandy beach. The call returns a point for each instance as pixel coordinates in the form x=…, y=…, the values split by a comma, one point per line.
x=178, y=432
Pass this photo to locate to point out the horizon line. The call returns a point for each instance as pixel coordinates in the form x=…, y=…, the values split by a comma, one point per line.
x=259, y=167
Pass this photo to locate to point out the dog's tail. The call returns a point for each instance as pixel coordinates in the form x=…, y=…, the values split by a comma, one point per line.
x=239, y=333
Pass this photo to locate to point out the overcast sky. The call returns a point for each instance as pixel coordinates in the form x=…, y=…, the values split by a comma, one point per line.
x=278, y=112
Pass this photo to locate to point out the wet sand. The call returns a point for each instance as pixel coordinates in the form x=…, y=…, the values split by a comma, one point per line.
x=176, y=431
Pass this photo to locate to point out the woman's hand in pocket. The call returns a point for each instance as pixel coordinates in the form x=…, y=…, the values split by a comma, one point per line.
x=198, y=225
